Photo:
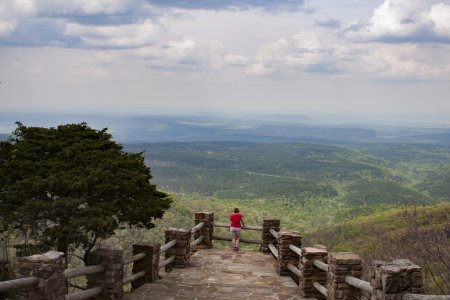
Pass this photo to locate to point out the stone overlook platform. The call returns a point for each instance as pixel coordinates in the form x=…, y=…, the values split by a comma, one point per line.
x=188, y=266
x=219, y=273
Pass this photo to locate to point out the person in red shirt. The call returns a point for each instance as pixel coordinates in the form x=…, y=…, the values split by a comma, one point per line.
x=235, y=227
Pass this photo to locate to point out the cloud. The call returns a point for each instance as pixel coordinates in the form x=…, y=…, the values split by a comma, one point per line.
x=402, y=62
x=113, y=36
x=270, y=5
x=7, y=27
x=330, y=23
x=399, y=21
x=258, y=69
x=305, y=51
x=236, y=60
x=182, y=54
x=54, y=22
x=439, y=16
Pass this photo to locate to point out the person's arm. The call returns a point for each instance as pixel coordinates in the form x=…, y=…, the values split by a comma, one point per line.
x=242, y=222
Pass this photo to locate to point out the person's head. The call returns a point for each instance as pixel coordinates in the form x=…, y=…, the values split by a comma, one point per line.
x=236, y=210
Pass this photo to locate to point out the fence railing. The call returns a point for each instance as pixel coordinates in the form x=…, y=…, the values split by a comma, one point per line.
x=241, y=240
x=318, y=273
x=15, y=284
x=106, y=266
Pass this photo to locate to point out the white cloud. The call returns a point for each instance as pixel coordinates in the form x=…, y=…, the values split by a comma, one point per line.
x=439, y=15
x=96, y=7
x=23, y=7
x=404, y=21
x=7, y=27
x=258, y=69
x=236, y=60
x=183, y=53
x=69, y=8
x=129, y=35
x=305, y=51
x=11, y=12
x=405, y=61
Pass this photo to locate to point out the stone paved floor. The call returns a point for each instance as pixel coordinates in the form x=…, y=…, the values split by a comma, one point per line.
x=221, y=274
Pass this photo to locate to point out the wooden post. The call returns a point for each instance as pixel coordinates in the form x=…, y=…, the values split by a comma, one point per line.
x=48, y=268
x=266, y=236
x=207, y=230
x=391, y=280
x=340, y=265
x=149, y=263
x=311, y=273
x=111, y=279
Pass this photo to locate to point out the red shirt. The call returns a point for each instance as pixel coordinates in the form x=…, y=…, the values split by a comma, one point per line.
x=235, y=220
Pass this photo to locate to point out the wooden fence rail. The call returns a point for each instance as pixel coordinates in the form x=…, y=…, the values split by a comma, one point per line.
x=72, y=273
x=134, y=258
x=321, y=265
x=247, y=227
x=323, y=290
x=241, y=240
x=358, y=283
x=196, y=242
x=131, y=278
x=167, y=246
x=197, y=227
x=15, y=284
x=274, y=233
x=274, y=250
x=319, y=273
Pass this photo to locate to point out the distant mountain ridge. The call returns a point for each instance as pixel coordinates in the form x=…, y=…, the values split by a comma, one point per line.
x=256, y=128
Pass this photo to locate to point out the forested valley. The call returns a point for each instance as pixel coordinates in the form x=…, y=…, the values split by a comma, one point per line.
x=382, y=201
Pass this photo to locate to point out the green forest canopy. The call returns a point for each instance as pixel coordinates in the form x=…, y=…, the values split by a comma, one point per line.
x=72, y=185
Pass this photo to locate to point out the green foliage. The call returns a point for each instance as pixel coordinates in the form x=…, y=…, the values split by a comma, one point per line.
x=362, y=234
x=301, y=171
x=73, y=185
x=417, y=233
x=436, y=183
x=382, y=192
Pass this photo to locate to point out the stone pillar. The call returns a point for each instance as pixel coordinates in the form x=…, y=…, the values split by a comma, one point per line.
x=311, y=273
x=341, y=265
x=181, y=250
x=207, y=230
x=391, y=280
x=266, y=236
x=285, y=255
x=49, y=268
x=149, y=263
x=111, y=279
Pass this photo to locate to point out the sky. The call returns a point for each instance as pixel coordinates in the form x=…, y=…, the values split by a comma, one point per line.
x=374, y=59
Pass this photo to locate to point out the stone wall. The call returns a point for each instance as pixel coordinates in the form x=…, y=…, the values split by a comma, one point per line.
x=340, y=265
x=391, y=280
x=285, y=255
x=48, y=268
x=111, y=279
x=181, y=250
x=311, y=273
x=207, y=230
x=266, y=236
